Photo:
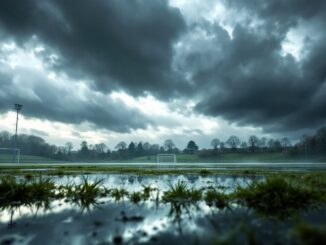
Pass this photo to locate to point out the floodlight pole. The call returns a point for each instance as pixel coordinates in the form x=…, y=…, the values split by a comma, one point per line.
x=18, y=107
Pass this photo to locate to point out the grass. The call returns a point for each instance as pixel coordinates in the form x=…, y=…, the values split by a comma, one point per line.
x=219, y=199
x=58, y=170
x=136, y=197
x=84, y=194
x=180, y=192
x=309, y=235
x=119, y=193
x=25, y=192
x=278, y=196
x=8, y=158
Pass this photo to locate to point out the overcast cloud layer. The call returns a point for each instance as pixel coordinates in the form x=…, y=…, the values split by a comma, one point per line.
x=253, y=63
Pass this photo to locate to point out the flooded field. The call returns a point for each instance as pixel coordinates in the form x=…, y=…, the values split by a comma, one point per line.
x=163, y=209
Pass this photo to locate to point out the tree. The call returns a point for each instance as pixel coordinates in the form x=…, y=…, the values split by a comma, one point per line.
x=215, y=143
x=131, y=148
x=244, y=145
x=146, y=146
x=270, y=143
x=168, y=145
x=84, y=149
x=253, y=142
x=321, y=139
x=69, y=147
x=191, y=147
x=233, y=142
x=262, y=142
x=100, y=148
x=285, y=142
x=140, y=149
x=121, y=146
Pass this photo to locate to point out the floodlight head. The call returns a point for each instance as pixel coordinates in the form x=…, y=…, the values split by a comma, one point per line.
x=18, y=107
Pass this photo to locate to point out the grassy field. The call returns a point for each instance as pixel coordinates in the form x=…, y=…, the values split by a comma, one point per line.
x=184, y=158
x=8, y=158
x=233, y=158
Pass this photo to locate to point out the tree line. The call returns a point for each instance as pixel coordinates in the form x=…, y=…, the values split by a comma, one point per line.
x=35, y=145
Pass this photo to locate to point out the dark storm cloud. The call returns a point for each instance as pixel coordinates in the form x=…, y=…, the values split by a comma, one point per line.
x=252, y=83
x=128, y=45
x=51, y=100
x=118, y=44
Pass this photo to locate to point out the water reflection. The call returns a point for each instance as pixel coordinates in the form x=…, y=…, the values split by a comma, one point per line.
x=106, y=220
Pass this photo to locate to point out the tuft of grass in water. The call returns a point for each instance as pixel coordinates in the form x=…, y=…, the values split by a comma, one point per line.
x=277, y=197
x=25, y=192
x=28, y=176
x=309, y=235
x=213, y=197
x=119, y=194
x=147, y=190
x=135, y=197
x=84, y=194
x=204, y=172
x=180, y=192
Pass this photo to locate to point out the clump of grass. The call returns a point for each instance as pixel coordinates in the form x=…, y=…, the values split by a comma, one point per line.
x=213, y=197
x=84, y=194
x=180, y=192
x=28, y=176
x=136, y=197
x=277, y=197
x=25, y=192
x=119, y=194
x=204, y=172
x=147, y=189
x=308, y=234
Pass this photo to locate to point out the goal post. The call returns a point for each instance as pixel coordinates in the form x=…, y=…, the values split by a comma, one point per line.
x=9, y=155
x=166, y=158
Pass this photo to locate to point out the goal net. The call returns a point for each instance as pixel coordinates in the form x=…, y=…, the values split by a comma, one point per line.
x=166, y=158
x=9, y=155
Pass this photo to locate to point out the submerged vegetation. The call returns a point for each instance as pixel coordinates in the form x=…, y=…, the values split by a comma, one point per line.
x=308, y=234
x=219, y=199
x=180, y=192
x=276, y=196
x=24, y=192
x=217, y=206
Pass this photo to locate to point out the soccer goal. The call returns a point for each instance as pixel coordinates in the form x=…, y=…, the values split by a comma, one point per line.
x=166, y=158
x=9, y=155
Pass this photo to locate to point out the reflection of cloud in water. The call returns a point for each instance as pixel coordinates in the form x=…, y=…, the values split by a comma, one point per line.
x=64, y=223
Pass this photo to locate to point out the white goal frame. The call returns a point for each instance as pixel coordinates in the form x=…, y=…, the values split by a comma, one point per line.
x=158, y=157
x=16, y=156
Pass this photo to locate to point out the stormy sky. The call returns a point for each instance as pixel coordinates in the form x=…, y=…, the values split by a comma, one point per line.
x=143, y=70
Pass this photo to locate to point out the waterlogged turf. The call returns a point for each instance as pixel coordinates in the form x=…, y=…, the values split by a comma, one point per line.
x=286, y=208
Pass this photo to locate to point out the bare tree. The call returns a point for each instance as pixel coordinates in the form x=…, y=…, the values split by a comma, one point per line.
x=69, y=146
x=253, y=142
x=233, y=142
x=285, y=142
x=168, y=145
x=121, y=146
x=215, y=143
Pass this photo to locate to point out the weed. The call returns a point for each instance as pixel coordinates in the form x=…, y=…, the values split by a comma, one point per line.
x=180, y=192
x=119, y=194
x=277, y=197
x=308, y=234
x=136, y=197
x=220, y=200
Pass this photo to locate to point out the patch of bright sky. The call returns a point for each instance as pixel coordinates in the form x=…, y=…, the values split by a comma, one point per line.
x=195, y=11
x=293, y=43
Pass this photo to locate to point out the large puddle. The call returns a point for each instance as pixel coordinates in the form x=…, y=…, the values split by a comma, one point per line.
x=111, y=221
